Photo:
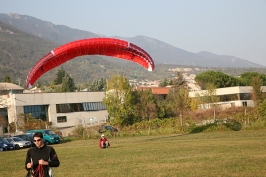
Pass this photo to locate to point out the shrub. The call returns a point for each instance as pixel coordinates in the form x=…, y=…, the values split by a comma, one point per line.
x=233, y=125
x=78, y=132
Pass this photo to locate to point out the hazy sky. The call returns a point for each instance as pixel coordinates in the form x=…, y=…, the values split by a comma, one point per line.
x=223, y=27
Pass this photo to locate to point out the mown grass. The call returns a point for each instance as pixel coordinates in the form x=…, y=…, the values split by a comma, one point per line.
x=230, y=153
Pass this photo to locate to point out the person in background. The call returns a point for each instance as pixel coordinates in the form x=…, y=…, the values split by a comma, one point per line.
x=103, y=143
x=41, y=158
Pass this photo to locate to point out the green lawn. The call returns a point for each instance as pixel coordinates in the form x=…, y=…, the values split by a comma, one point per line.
x=240, y=153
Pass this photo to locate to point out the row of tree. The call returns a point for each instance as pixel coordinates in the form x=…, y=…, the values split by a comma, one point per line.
x=127, y=106
x=65, y=83
x=221, y=80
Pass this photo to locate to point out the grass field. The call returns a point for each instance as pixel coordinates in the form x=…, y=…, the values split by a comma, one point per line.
x=241, y=153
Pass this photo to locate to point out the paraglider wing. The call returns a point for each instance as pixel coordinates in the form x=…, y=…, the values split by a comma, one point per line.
x=93, y=46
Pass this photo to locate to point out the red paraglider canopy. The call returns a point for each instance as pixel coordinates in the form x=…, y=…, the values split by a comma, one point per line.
x=93, y=46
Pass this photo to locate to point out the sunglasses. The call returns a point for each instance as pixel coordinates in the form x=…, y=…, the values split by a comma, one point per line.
x=37, y=140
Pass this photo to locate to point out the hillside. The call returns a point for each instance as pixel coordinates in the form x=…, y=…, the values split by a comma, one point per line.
x=161, y=52
x=19, y=51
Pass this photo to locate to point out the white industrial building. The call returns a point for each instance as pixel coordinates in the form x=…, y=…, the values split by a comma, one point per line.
x=63, y=110
x=237, y=96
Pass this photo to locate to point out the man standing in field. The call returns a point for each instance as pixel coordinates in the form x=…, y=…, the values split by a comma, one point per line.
x=41, y=158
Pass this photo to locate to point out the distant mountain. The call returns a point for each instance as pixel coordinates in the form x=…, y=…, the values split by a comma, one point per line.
x=59, y=34
x=230, y=60
x=19, y=51
x=168, y=54
x=161, y=52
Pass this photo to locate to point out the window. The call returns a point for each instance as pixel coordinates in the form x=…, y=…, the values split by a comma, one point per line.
x=3, y=112
x=37, y=111
x=79, y=107
x=245, y=96
x=244, y=103
x=61, y=119
x=94, y=106
x=63, y=108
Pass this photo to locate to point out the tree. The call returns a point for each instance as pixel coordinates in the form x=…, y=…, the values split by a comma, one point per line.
x=119, y=100
x=61, y=73
x=146, y=105
x=246, y=78
x=162, y=106
x=262, y=109
x=63, y=78
x=179, y=81
x=7, y=79
x=68, y=84
x=164, y=83
x=208, y=98
x=27, y=122
x=182, y=102
x=179, y=96
x=212, y=98
x=97, y=85
x=218, y=79
x=4, y=106
x=39, y=84
x=3, y=123
x=257, y=93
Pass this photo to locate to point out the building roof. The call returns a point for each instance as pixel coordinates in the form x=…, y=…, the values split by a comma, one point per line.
x=10, y=86
x=156, y=90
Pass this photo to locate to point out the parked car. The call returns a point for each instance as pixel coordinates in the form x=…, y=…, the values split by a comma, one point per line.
x=49, y=136
x=7, y=145
x=18, y=142
x=26, y=137
x=2, y=147
x=105, y=128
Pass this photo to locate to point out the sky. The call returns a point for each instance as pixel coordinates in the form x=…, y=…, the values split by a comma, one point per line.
x=223, y=27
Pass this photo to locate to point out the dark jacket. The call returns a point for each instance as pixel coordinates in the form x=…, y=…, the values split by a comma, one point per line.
x=35, y=154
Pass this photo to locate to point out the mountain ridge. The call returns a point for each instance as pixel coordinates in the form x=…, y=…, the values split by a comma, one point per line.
x=161, y=52
x=20, y=50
